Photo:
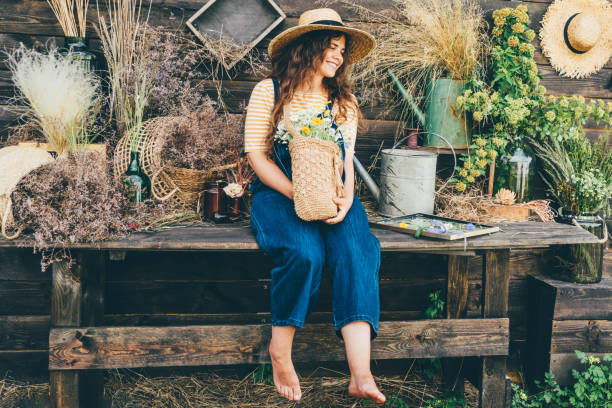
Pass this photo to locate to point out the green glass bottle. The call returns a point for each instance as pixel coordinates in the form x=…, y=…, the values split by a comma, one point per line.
x=135, y=180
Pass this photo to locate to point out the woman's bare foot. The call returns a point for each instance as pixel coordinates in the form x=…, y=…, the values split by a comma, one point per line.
x=364, y=387
x=285, y=378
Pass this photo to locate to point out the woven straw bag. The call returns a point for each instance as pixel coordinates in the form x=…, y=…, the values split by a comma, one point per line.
x=16, y=162
x=183, y=186
x=317, y=174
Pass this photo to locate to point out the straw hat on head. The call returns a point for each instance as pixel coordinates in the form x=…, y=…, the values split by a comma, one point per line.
x=577, y=36
x=361, y=43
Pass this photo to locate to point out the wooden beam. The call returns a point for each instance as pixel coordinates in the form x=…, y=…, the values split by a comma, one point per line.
x=128, y=347
x=456, y=307
x=77, y=292
x=592, y=336
x=496, y=277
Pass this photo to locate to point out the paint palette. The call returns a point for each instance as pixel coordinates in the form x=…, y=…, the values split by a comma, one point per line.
x=427, y=225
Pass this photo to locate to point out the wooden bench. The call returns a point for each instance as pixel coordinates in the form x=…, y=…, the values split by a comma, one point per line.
x=80, y=346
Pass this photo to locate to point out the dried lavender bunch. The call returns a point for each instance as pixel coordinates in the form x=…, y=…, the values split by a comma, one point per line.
x=71, y=200
x=177, y=83
x=203, y=138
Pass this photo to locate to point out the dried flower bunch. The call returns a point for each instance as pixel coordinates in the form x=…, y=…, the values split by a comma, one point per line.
x=71, y=200
x=203, y=138
x=125, y=46
x=425, y=39
x=62, y=97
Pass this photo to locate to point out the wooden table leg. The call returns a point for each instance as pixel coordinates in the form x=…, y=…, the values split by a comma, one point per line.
x=496, y=281
x=77, y=299
x=456, y=306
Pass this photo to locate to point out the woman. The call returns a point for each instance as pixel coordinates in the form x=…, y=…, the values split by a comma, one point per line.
x=309, y=69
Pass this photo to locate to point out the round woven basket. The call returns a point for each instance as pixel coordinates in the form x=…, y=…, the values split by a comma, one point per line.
x=183, y=186
x=190, y=183
x=15, y=163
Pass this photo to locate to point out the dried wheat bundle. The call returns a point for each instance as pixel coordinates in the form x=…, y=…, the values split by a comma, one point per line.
x=64, y=10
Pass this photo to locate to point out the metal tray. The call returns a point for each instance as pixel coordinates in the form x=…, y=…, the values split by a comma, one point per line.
x=392, y=224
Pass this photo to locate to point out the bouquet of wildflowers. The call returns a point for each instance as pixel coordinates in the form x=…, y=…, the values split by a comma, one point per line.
x=315, y=123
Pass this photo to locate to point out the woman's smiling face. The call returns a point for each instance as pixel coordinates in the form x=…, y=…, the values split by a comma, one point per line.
x=333, y=57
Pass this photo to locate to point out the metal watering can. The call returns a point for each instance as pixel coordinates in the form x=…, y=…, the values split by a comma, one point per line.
x=441, y=117
x=407, y=180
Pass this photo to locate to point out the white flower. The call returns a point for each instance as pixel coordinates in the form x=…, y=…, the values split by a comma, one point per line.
x=233, y=190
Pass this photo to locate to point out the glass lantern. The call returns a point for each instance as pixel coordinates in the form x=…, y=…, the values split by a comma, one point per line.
x=521, y=175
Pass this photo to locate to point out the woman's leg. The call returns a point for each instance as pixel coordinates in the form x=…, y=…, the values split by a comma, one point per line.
x=299, y=255
x=353, y=258
x=357, y=342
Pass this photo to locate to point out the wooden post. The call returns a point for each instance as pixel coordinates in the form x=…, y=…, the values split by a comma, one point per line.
x=456, y=306
x=496, y=280
x=77, y=299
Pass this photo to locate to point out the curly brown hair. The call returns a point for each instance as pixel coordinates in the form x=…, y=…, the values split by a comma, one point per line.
x=298, y=62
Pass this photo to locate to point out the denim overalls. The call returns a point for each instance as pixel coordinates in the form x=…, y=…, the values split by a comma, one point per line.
x=301, y=249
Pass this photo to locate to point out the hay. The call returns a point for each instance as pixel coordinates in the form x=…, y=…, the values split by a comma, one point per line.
x=324, y=388
x=473, y=206
x=254, y=391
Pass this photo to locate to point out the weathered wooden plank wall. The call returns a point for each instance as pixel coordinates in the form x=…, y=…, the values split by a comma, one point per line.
x=33, y=23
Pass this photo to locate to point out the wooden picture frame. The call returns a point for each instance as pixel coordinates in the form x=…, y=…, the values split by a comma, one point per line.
x=390, y=224
x=242, y=22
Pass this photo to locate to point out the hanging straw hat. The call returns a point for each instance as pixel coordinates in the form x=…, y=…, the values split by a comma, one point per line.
x=361, y=43
x=577, y=36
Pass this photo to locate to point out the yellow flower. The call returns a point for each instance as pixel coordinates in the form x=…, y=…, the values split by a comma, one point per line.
x=460, y=101
x=482, y=163
x=563, y=102
x=522, y=8
x=499, y=22
x=463, y=173
x=317, y=121
x=518, y=28
x=305, y=130
x=498, y=126
x=497, y=141
x=403, y=225
x=480, y=142
x=470, y=179
x=467, y=165
x=460, y=186
x=505, y=12
x=468, y=93
x=523, y=47
x=523, y=395
x=593, y=359
x=530, y=34
x=492, y=154
x=481, y=153
x=609, y=106
x=513, y=41
x=497, y=31
x=522, y=17
x=475, y=173
x=477, y=116
x=550, y=116
x=326, y=114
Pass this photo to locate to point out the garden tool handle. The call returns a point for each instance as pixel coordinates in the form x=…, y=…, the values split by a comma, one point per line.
x=445, y=141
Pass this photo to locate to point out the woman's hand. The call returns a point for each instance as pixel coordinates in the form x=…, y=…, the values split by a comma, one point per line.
x=344, y=205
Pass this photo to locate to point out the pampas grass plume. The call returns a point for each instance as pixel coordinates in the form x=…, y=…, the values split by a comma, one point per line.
x=59, y=92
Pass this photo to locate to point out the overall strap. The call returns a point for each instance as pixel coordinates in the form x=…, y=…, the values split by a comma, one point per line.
x=275, y=83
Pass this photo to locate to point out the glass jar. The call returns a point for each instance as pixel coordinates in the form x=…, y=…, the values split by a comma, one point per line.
x=76, y=48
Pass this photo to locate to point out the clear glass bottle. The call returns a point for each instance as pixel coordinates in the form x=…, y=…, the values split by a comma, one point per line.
x=521, y=175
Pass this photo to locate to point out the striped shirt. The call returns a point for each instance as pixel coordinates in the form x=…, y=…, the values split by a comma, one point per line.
x=259, y=115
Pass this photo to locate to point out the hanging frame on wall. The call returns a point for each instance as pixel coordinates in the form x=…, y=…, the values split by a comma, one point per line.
x=234, y=26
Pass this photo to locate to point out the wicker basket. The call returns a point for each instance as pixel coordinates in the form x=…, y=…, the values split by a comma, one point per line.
x=316, y=166
x=183, y=186
x=190, y=183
